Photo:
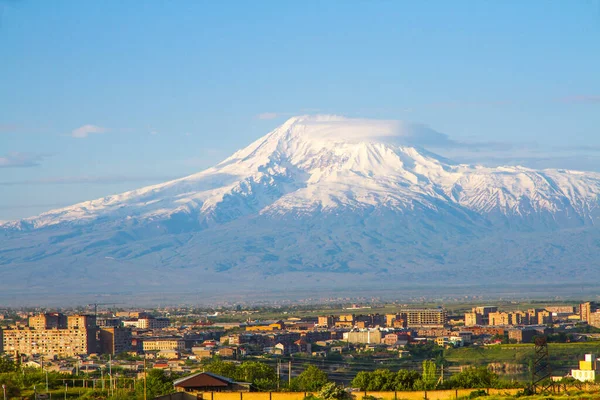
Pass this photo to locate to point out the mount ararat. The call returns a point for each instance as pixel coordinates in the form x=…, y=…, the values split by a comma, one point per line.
x=320, y=203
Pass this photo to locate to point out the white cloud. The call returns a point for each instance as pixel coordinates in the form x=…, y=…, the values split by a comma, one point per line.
x=85, y=130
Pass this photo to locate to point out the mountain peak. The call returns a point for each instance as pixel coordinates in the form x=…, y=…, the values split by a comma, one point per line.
x=329, y=162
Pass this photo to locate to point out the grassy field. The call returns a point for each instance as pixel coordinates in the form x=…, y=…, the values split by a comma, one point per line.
x=562, y=355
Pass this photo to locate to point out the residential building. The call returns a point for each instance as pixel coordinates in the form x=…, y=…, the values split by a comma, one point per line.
x=154, y=344
x=48, y=321
x=209, y=382
x=81, y=321
x=68, y=342
x=326, y=321
x=114, y=340
x=585, y=309
x=594, y=319
x=587, y=369
x=473, y=319
x=364, y=336
x=422, y=317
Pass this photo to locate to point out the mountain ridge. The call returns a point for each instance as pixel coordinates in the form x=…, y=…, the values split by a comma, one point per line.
x=320, y=196
x=285, y=170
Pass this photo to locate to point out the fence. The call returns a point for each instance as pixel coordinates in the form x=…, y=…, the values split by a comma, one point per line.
x=414, y=395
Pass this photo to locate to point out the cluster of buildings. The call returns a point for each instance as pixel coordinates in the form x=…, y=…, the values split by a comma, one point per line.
x=487, y=315
x=407, y=318
x=55, y=335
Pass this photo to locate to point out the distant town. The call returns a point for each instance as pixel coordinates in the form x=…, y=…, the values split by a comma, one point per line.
x=103, y=348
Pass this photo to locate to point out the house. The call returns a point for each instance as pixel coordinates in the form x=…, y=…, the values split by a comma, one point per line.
x=587, y=369
x=209, y=382
x=301, y=346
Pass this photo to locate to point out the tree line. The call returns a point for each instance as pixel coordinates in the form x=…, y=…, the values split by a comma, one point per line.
x=263, y=377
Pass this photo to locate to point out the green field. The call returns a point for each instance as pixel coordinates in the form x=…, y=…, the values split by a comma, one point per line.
x=562, y=355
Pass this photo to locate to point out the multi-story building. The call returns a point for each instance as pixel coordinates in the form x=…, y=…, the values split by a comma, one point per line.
x=345, y=321
x=66, y=342
x=364, y=336
x=153, y=323
x=426, y=317
x=508, y=318
x=154, y=344
x=114, y=340
x=326, y=321
x=473, y=319
x=48, y=321
x=81, y=321
x=109, y=322
x=479, y=315
x=585, y=309
x=147, y=323
x=594, y=319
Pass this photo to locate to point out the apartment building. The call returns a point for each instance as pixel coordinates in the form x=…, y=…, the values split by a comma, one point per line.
x=364, y=336
x=48, y=321
x=114, y=340
x=426, y=317
x=157, y=344
x=68, y=342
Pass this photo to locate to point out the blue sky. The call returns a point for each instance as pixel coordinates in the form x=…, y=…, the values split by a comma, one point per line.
x=102, y=97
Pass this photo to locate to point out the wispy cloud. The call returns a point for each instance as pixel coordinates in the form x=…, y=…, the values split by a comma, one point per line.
x=581, y=99
x=85, y=130
x=17, y=159
x=101, y=180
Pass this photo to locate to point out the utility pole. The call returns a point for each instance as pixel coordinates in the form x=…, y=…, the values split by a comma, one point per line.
x=145, y=398
x=290, y=373
x=278, y=373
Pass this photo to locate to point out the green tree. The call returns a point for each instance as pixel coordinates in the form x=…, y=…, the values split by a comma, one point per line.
x=223, y=368
x=262, y=376
x=12, y=386
x=157, y=383
x=480, y=377
x=312, y=379
x=406, y=380
x=6, y=364
x=361, y=380
x=429, y=375
x=331, y=391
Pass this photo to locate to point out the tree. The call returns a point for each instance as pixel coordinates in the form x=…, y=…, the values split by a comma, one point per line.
x=429, y=376
x=262, y=376
x=406, y=380
x=7, y=365
x=480, y=377
x=331, y=391
x=157, y=384
x=361, y=380
x=312, y=379
x=223, y=368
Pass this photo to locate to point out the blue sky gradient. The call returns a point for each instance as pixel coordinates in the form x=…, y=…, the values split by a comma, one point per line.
x=174, y=87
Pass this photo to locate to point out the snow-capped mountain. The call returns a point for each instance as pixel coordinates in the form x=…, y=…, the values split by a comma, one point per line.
x=324, y=194
x=324, y=163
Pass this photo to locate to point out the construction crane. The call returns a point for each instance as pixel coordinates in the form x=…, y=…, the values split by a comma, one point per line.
x=99, y=304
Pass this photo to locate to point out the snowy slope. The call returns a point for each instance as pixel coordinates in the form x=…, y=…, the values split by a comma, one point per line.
x=327, y=163
x=324, y=202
